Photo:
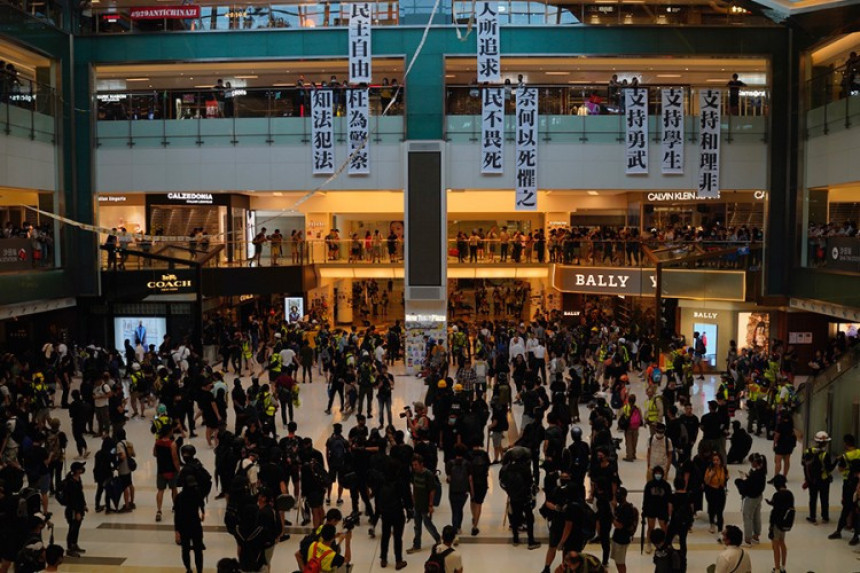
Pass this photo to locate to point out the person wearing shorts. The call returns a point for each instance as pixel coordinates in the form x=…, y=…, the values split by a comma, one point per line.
x=167, y=466
x=625, y=521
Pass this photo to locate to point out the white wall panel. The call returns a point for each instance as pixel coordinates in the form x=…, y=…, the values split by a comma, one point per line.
x=27, y=164
x=832, y=159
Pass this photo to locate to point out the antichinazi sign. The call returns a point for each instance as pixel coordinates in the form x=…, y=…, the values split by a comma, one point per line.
x=164, y=13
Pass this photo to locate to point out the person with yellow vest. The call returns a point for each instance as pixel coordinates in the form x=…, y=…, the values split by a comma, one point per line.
x=248, y=354
x=849, y=464
x=818, y=466
x=268, y=406
x=135, y=386
x=653, y=409
x=274, y=366
x=322, y=551
x=755, y=393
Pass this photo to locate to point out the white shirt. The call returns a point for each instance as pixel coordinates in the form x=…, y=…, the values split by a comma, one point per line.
x=539, y=351
x=734, y=560
x=379, y=353
x=516, y=348
x=287, y=356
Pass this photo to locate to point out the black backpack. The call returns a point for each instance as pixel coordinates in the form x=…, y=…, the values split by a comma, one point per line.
x=337, y=451
x=786, y=521
x=459, y=476
x=320, y=476
x=436, y=562
x=62, y=491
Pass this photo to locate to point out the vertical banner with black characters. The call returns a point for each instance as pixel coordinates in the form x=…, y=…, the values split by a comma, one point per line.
x=527, y=135
x=636, y=119
x=358, y=119
x=322, y=132
x=359, y=43
x=672, y=123
x=492, y=130
x=489, y=64
x=709, y=144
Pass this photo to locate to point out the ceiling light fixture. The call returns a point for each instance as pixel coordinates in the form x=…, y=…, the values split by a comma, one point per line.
x=592, y=193
x=558, y=73
x=668, y=75
x=137, y=79
x=246, y=77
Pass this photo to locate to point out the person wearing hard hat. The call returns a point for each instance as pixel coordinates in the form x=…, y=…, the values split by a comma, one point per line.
x=818, y=465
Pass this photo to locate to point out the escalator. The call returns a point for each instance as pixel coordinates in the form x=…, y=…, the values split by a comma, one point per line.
x=831, y=400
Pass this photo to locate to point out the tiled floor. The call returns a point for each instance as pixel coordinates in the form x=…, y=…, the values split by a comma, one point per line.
x=135, y=543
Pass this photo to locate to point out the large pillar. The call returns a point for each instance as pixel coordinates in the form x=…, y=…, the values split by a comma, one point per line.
x=344, y=301
x=425, y=263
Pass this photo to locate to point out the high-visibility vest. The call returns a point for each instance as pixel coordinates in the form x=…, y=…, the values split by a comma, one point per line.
x=652, y=411
x=246, y=349
x=134, y=380
x=275, y=362
x=849, y=456
x=753, y=391
x=268, y=404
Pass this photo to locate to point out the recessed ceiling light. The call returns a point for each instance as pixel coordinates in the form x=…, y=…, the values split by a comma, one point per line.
x=715, y=80
x=592, y=192
x=668, y=75
x=137, y=79
x=246, y=77
x=558, y=73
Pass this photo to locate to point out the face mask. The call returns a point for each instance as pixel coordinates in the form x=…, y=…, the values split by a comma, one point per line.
x=658, y=477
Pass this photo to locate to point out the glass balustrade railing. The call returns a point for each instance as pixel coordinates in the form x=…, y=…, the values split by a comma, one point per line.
x=833, y=99
x=27, y=109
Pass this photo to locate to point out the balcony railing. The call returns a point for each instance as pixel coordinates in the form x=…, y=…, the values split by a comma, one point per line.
x=744, y=255
x=583, y=111
x=27, y=109
x=267, y=114
x=833, y=100
x=299, y=15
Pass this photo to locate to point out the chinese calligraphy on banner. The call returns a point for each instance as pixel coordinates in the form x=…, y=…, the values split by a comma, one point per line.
x=709, y=144
x=492, y=130
x=526, y=164
x=489, y=65
x=672, y=120
x=359, y=43
x=322, y=132
x=636, y=118
x=357, y=127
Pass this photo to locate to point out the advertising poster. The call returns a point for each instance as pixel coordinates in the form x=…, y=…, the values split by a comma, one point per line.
x=753, y=330
x=708, y=332
x=140, y=331
x=294, y=308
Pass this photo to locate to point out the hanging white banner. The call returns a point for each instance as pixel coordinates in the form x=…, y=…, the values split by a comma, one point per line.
x=527, y=135
x=492, y=130
x=358, y=120
x=636, y=119
x=359, y=43
x=672, y=124
x=709, y=144
x=489, y=64
x=322, y=132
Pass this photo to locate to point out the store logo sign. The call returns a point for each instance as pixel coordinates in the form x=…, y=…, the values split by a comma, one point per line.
x=169, y=283
x=610, y=281
x=191, y=198
x=706, y=315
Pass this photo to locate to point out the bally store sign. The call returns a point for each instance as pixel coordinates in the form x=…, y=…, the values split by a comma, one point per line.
x=605, y=280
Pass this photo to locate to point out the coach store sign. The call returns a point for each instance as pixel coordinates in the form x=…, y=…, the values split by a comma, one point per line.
x=605, y=280
x=170, y=282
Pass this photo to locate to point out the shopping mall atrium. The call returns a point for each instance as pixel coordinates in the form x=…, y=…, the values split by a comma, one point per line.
x=240, y=180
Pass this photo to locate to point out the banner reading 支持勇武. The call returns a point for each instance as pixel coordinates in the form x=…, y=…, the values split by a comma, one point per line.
x=636, y=120
x=489, y=63
x=358, y=119
x=672, y=123
x=359, y=43
x=709, y=144
x=322, y=132
x=492, y=130
x=526, y=157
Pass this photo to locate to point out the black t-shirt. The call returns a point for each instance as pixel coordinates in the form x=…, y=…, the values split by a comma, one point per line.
x=626, y=515
x=682, y=512
x=712, y=426
x=479, y=468
x=602, y=480
x=500, y=417
x=656, y=499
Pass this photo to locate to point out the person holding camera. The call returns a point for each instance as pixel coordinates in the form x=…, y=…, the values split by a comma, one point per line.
x=324, y=550
x=333, y=517
x=419, y=421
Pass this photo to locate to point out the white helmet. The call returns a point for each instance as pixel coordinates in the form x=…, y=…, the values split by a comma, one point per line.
x=454, y=328
x=135, y=366
x=822, y=436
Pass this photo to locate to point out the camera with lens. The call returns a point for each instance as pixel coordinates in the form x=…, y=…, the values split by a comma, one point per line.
x=407, y=411
x=351, y=520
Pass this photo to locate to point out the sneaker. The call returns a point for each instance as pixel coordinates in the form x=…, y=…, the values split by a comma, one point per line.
x=372, y=533
x=534, y=544
x=158, y=516
x=747, y=542
x=475, y=531
x=72, y=553
x=756, y=540
x=854, y=540
x=400, y=565
x=283, y=537
x=412, y=550
x=811, y=520
x=835, y=535
x=327, y=412
x=328, y=501
x=712, y=529
x=383, y=563
x=648, y=548
x=79, y=549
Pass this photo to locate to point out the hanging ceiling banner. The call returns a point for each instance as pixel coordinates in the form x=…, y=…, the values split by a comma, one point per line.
x=672, y=122
x=359, y=43
x=322, y=132
x=492, y=130
x=527, y=134
x=358, y=119
x=489, y=63
x=709, y=144
x=636, y=119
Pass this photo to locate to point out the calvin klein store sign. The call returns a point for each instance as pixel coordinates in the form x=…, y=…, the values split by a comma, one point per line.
x=606, y=280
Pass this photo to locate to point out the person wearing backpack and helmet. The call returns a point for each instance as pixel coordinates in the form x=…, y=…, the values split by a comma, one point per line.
x=781, y=521
x=818, y=467
x=321, y=555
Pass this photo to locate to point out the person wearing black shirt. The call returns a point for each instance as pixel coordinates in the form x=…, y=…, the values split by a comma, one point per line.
x=250, y=540
x=188, y=522
x=681, y=514
x=605, y=483
x=555, y=510
x=76, y=508
x=479, y=470
x=782, y=503
x=498, y=427
x=267, y=518
x=574, y=461
x=751, y=487
x=741, y=444
x=312, y=490
x=393, y=503
x=625, y=521
x=78, y=416
x=655, y=505
x=713, y=428
x=240, y=402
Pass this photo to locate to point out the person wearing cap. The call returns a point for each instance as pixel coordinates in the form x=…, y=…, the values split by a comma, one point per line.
x=818, y=467
x=781, y=520
x=76, y=507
